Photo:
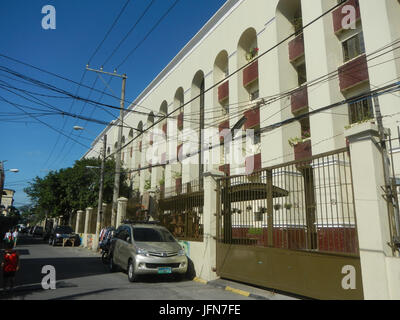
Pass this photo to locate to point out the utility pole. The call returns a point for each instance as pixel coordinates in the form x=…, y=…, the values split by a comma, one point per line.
x=1, y=179
x=100, y=203
x=118, y=153
x=386, y=167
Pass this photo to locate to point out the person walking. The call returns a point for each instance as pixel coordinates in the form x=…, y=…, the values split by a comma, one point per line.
x=9, y=266
x=7, y=238
x=15, y=237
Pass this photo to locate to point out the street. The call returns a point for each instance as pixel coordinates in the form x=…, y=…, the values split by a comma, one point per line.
x=80, y=274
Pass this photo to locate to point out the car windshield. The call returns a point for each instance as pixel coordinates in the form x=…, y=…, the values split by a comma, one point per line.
x=152, y=235
x=64, y=229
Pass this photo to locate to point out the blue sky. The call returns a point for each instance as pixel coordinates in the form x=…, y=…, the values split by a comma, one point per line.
x=80, y=26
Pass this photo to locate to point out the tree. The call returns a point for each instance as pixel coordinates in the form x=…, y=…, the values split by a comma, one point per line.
x=71, y=189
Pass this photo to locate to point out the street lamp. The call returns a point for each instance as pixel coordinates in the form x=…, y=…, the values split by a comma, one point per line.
x=100, y=202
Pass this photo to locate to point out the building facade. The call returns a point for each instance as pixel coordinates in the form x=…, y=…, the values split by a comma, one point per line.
x=269, y=91
x=7, y=200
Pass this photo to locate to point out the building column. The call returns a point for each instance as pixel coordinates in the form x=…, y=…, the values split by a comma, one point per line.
x=209, y=225
x=371, y=210
x=78, y=220
x=121, y=213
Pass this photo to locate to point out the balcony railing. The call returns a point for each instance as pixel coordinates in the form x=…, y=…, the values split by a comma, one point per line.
x=353, y=73
x=253, y=163
x=338, y=15
x=303, y=150
x=250, y=74
x=226, y=168
x=253, y=118
x=180, y=121
x=299, y=100
x=224, y=125
x=164, y=128
x=223, y=92
x=296, y=48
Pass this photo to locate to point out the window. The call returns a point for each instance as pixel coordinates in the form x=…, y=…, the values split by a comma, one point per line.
x=353, y=47
x=360, y=111
x=152, y=235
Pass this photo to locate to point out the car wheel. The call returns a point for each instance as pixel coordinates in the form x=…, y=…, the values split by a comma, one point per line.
x=111, y=264
x=132, y=277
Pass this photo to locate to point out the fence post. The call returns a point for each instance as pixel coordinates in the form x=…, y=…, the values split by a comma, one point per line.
x=78, y=220
x=371, y=210
x=209, y=225
x=121, y=212
x=88, y=216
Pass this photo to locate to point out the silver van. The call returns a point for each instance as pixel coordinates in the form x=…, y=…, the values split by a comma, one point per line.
x=146, y=249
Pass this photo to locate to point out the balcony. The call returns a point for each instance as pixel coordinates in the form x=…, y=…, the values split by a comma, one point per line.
x=250, y=74
x=178, y=185
x=353, y=73
x=296, y=48
x=224, y=125
x=253, y=118
x=180, y=121
x=164, y=158
x=299, y=100
x=226, y=168
x=303, y=150
x=338, y=16
x=253, y=163
x=223, y=92
x=179, y=152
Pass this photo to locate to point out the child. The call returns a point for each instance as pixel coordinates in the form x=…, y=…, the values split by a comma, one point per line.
x=9, y=265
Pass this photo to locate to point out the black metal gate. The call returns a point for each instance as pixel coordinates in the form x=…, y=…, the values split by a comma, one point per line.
x=292, y=227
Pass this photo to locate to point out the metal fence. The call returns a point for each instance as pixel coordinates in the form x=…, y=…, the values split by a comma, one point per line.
x=305, y=205
x=181, y=211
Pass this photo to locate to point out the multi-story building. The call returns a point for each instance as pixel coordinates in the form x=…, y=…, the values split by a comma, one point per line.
x=322, y=65
x=7, y=200
x=298, y=73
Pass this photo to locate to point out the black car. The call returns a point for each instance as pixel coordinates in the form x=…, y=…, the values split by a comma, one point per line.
x=37, y=231
x=61, y=233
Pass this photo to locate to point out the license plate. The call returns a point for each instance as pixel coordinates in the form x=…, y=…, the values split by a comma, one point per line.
x=164, y=270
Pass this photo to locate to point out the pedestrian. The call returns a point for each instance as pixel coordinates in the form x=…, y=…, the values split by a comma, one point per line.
x=9, y=265
x=15, y=237
x=7, y=238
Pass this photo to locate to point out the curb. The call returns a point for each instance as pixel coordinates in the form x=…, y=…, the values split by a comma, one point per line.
x=229, y=288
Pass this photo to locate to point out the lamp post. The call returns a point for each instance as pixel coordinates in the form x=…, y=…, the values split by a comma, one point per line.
x=101, y=186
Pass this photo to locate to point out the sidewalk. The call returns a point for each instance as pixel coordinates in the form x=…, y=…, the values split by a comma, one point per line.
x=247, y=290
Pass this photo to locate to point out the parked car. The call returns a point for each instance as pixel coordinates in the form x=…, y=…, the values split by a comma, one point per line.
x=37, y=231
x=60, y=233
x=146, y=249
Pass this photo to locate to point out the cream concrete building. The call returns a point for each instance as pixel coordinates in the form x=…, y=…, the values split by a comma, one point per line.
x=7, y=200
x=253, y=59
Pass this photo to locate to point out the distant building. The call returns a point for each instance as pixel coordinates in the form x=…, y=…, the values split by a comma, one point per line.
x=7, y=200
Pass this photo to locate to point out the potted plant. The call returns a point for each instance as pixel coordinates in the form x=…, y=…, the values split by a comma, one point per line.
x=249, y=208
x=263, y=210
x=277, y=207
x=258, y=216
x=288, y=206
x=252, y=54
x=147, y=184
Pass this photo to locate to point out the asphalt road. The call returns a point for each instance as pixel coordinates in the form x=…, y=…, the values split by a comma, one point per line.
x=80, y=274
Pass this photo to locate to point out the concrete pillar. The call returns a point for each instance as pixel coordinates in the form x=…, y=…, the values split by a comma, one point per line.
x=88, y=216
x=371, y=210
x=209, y=224
x=103, y=216
x=121, y=213
x=78, y=220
